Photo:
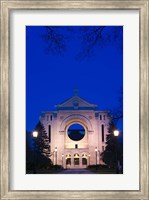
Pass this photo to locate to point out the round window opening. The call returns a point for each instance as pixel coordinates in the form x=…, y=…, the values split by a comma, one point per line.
x=76, y=132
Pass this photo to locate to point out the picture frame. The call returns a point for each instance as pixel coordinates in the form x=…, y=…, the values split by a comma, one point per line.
x=6, y=7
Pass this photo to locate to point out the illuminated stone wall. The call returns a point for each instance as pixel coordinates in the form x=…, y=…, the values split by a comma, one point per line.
x=81, y=153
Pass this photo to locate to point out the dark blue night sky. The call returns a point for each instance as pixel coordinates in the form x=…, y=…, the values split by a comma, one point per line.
x=52, y=75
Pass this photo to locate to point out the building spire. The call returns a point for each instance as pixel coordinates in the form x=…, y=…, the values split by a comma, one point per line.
x=75, y=91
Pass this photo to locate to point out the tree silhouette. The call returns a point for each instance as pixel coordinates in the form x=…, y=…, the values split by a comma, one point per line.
x=112, y=142
x=89, y=38
x=55, y=39
x=117, y=113
x=113, y=145
x=29, y=151
x=42, y=141
x=39, y=146
x=94, y=37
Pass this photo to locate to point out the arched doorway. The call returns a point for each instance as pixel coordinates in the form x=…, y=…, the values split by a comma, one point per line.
x=68, y=161
x=84, y=159
x=76, y=159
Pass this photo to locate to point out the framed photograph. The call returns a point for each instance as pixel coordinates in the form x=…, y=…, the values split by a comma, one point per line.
x=74, y=99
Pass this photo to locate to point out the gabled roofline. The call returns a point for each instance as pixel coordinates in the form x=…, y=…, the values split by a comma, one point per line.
x=60, y=105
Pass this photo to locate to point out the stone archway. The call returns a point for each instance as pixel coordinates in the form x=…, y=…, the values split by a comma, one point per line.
x=76, y=118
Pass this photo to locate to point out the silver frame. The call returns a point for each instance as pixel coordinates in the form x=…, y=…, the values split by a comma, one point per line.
x=143, y=7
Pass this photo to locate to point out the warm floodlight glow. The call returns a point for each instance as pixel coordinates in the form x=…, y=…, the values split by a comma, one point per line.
x=89, y=155
x=55, y=148
x=62, y=155
x=96, y=149
x=35, y=134
x=116, y=133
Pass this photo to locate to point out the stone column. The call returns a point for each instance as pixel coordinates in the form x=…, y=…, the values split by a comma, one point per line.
x=88, y=160
x=72, y=161
x=80, y=161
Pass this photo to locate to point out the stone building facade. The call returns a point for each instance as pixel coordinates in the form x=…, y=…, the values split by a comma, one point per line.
x=77, y=133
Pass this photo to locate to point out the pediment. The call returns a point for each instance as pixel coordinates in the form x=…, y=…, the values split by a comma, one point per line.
x=75, y=102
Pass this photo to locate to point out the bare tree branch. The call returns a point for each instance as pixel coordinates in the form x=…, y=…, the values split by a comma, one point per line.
x=98, y=36
x=89, y=37
x=55, y=40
